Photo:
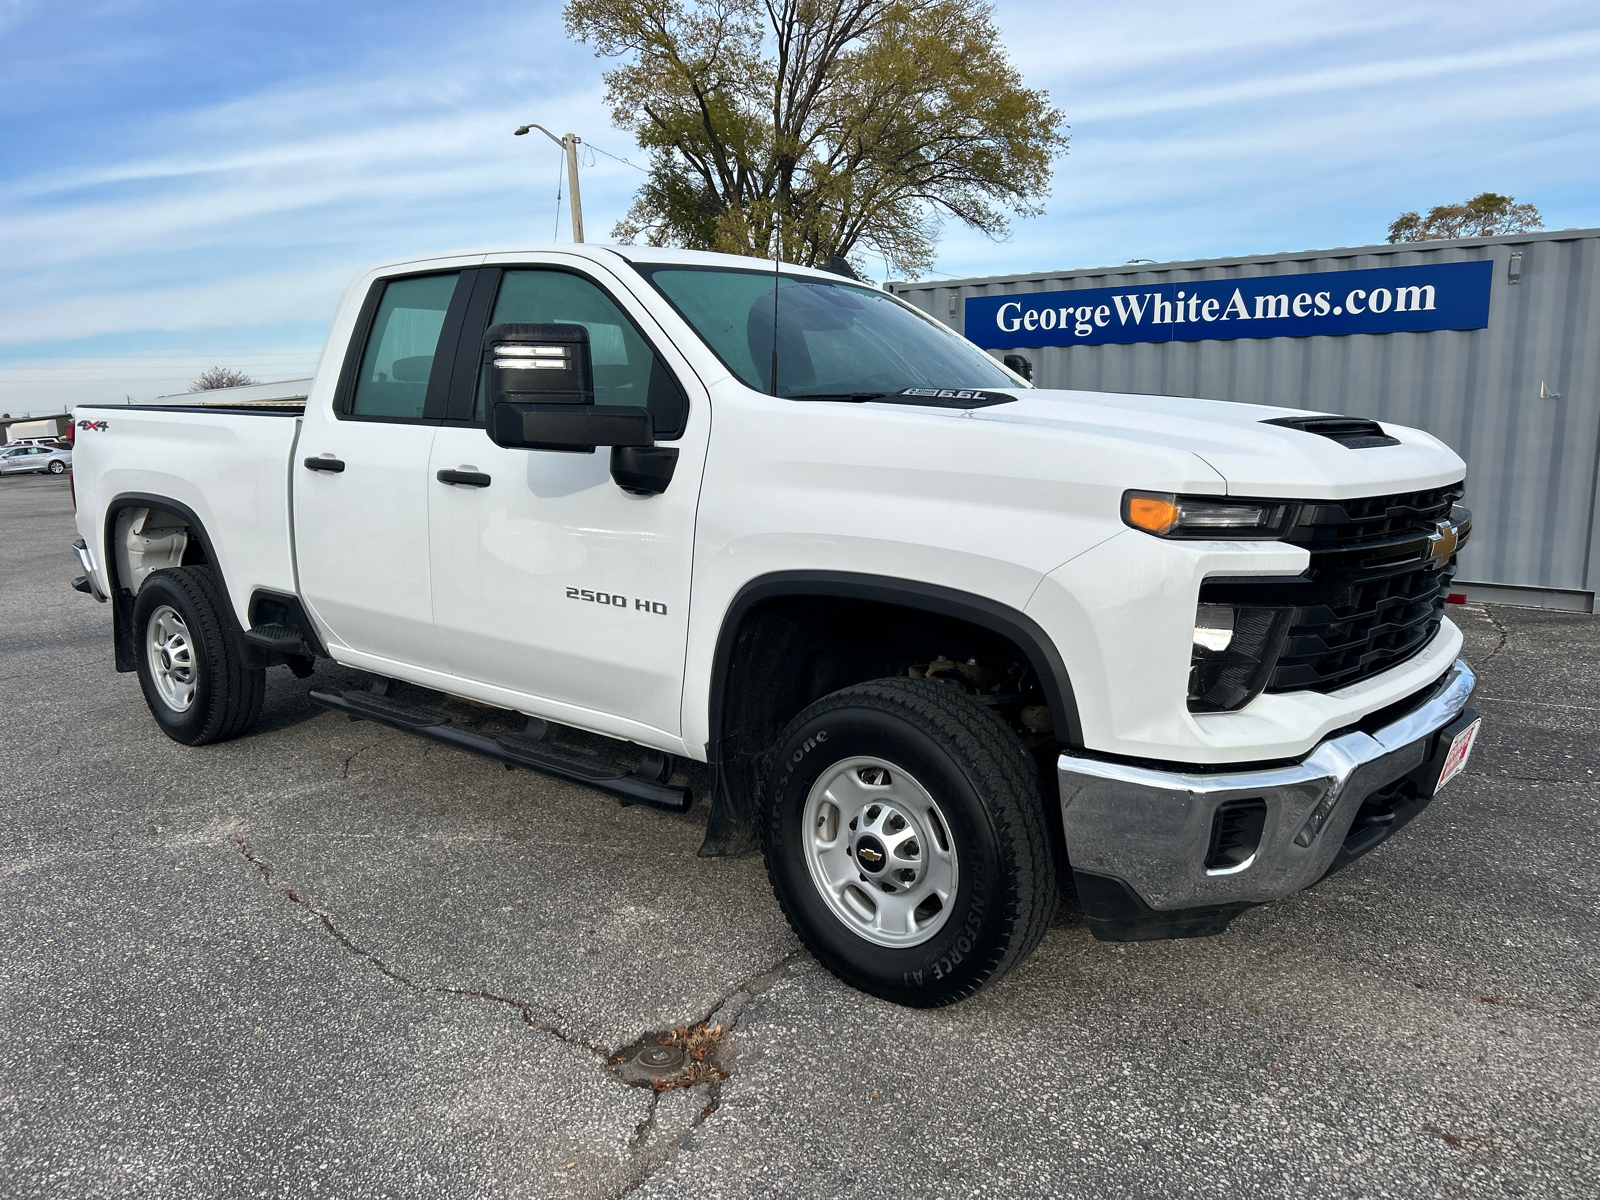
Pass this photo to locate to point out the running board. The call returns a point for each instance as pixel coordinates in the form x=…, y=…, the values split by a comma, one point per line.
x=646, y=784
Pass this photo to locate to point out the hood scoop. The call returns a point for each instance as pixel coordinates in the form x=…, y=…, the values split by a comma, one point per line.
x=1354, y=433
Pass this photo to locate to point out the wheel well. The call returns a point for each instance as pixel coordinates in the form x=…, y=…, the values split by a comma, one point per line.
x=144, y=534
x=785, y=651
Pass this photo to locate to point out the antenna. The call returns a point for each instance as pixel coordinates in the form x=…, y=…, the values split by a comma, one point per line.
x=777, y=257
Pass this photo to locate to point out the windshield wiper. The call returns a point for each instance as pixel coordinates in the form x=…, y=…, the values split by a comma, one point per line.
x=853, y=397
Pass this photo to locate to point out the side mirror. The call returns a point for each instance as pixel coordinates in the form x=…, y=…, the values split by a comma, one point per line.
x=539, y=389
x=1021, y=364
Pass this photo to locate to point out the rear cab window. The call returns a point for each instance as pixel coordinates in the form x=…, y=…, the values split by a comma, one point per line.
x=401, y=345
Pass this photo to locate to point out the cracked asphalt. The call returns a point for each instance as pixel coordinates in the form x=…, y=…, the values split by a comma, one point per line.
x=333, y=960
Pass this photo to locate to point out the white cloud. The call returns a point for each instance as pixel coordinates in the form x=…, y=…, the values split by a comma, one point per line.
x=1199, y=130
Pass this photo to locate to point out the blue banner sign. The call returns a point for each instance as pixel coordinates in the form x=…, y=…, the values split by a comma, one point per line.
x=1317, y=304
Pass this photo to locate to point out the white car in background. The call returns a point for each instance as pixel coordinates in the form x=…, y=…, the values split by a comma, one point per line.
x=18, y=460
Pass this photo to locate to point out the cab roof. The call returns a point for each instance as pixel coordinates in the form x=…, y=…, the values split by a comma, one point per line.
x=604, y=252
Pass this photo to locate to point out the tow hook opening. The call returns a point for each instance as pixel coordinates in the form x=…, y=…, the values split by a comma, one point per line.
x=1235, y=835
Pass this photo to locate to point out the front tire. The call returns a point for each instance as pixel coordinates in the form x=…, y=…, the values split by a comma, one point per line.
x=906, y=841
x=197, y=688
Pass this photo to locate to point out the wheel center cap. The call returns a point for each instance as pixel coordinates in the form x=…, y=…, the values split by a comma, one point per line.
x=871, y=854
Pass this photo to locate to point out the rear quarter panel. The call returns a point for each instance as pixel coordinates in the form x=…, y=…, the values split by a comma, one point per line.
x=231, y=469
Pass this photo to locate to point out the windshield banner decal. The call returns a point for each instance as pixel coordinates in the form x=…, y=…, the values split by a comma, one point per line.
x=1316, y=304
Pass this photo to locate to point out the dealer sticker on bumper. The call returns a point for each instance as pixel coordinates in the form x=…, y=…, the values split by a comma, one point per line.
x=1460, y=749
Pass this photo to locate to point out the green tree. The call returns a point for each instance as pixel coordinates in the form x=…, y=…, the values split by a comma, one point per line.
x=833, y=126
x=1485, y=215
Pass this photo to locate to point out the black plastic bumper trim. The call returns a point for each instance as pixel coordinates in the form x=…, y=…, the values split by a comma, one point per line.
x=1115, y=913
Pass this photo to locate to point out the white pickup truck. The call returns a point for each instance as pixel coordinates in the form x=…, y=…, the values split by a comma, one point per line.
x=945, y=640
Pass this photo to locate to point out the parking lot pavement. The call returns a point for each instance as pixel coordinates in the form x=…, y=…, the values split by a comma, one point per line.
x=330, y=960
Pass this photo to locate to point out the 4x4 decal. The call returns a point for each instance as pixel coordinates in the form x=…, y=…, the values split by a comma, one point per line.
x=89, y=425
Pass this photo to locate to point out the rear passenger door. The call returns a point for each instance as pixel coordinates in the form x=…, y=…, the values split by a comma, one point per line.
x=551, y=581
x=361, y=528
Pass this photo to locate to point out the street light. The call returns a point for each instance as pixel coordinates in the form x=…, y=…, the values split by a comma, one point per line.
x=569, y=148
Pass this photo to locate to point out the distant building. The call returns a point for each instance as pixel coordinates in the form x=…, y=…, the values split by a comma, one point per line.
x=32, y=427
x=1492, y=344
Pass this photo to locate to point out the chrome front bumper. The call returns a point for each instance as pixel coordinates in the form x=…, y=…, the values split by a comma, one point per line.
x=1150, y=829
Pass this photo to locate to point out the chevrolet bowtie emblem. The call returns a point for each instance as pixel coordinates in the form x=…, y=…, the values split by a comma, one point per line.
x=1442, y=544
x=869, y=856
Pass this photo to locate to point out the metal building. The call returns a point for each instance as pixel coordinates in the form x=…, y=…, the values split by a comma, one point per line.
x=1513, y=385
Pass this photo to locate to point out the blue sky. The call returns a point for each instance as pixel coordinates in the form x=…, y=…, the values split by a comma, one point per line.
x=187, y=183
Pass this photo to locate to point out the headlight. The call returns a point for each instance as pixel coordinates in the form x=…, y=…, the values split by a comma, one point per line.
x=1233, y=654
x=1165, y=515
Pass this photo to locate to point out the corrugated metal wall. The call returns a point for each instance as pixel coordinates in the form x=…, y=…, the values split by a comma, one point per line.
x=1533, y=459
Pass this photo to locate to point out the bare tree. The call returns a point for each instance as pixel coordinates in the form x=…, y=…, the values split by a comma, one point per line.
x=1487, y=214
x=220, y=377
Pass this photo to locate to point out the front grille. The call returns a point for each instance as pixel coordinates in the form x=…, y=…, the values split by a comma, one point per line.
x=1346, y=524
x=1369, y=599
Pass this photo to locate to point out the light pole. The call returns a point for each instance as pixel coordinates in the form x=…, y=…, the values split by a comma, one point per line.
x=569, y=148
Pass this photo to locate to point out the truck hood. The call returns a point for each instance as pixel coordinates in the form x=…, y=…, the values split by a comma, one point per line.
x=1254, y=458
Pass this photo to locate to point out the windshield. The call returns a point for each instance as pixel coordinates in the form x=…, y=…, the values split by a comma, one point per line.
x=834, y=339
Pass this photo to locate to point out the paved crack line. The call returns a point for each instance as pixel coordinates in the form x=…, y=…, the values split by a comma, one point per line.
x=1504, y=633
x=522, y=1006
x=638, y=1145
x=345, y=773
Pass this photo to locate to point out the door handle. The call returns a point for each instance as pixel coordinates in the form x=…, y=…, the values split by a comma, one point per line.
x=325, y=464
x=466, y=478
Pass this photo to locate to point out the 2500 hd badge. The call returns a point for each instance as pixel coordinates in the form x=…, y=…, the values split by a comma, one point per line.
x=615, y=601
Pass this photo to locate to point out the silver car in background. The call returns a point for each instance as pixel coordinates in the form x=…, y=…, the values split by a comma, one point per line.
x=18, y=460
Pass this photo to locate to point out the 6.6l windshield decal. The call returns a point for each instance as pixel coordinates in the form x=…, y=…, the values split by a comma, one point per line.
x=1313, y=304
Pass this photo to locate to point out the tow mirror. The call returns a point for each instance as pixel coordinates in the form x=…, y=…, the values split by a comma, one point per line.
x=1021, y=365
x=539, y=388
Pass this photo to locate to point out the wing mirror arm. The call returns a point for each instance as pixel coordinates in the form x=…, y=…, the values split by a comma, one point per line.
x=540, y=391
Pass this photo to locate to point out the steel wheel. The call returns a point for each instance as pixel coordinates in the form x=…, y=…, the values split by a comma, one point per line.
x=171, y=655
x=880, y=852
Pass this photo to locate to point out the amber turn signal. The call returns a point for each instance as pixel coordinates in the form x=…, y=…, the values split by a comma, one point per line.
x=1154, y=514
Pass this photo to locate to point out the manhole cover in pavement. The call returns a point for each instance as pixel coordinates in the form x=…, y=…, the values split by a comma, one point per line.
x=660, y=1060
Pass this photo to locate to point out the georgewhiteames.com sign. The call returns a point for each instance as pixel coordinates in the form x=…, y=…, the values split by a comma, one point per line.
x=1317, y=304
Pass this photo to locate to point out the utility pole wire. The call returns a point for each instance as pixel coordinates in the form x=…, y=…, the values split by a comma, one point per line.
x=555, y=231
x=619, y=158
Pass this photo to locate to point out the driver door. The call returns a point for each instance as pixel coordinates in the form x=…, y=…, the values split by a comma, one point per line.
x=550, y=581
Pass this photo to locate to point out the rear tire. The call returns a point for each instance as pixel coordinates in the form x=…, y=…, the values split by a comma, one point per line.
x=906, y=841
x=57, y=467
x=197, y=688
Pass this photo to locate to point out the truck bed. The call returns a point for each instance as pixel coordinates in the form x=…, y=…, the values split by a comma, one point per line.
x=228, y=464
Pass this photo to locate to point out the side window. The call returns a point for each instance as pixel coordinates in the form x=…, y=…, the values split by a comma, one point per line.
x=393, y=380
x=626, y=370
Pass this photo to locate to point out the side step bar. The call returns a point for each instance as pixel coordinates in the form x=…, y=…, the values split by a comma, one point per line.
x=646, y=784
